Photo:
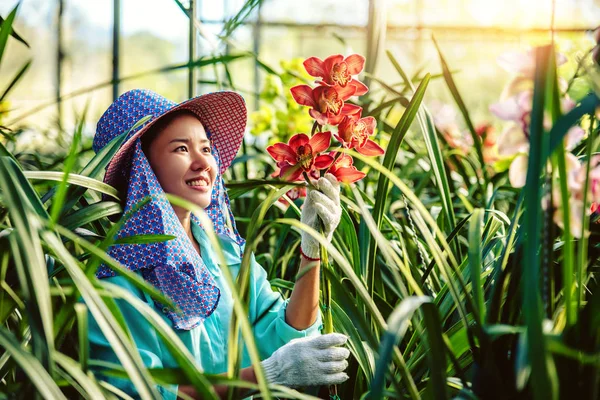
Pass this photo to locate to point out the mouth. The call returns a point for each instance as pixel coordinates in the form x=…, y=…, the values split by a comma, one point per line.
x=199, y=183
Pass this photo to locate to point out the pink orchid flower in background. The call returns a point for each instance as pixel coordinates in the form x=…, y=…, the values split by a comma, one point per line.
x=343, y=170
x=327, y=103
x=354, y=132
x=512, y=140
x=337, y=71
x=301, y=154
x=517, y=172
x=523, y=63
x=516, y=108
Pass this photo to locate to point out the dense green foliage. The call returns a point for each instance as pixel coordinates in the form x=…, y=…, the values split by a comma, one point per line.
x=448, y=281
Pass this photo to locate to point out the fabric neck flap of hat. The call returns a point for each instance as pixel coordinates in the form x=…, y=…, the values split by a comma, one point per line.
x=173, y=266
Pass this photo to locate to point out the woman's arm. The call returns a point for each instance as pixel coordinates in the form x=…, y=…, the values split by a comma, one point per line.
x=246, y=374
x=322, y=212
x=303, y=307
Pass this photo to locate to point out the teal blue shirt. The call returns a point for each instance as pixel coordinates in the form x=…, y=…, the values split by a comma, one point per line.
x=207, y=342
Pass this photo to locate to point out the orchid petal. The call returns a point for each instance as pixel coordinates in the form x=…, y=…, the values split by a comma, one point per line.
x=343, y=161
x=573, y=168
x=512, y=140
x=291, y=173
x=351, y=110
x=320, y=118
x=323, y=161
x=370, y=124
x=299, y=139
x=320, y=142
x=508, y=110
x=303, y=95
x=361, y=88
x=517, y=173
x=370, y=148
x=348, y=175
x=345, y=92
x=331, y=61
x=315, y=67
x=355, y=63
x=335, y=119
x=573, y=137
x=282, y=152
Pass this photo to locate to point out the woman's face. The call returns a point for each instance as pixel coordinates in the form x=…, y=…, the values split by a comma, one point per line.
x=181, y=157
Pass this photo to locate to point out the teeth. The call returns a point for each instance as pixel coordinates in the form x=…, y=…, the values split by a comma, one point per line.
x=200, y=182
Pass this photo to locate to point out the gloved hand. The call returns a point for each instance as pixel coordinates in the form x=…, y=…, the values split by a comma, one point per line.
x=322, y=204
x=309, y=361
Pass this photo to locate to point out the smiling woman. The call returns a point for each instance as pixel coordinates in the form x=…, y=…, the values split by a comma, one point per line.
x=183, y=151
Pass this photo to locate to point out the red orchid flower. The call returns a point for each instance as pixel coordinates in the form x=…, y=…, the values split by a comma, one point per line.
x=301, y=154
x=354, y=132
x=343, y=170
x=337, y=71
x=327, y=103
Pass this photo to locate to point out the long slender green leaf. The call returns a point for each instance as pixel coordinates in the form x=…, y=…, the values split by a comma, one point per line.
x=15, y=80
x=31, y=366
x=475, y=262
x=543, y=388
x=74, y=179
x=397, y=326
x=388, y=161
x=6, y=29
x=125, y=352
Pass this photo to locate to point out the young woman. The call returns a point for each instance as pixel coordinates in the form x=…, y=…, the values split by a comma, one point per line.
x=184, y=150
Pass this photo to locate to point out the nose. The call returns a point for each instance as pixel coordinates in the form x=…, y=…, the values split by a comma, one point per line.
x=200, y=162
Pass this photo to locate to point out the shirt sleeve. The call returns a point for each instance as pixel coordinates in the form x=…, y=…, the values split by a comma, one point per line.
x=267, y=315
x=143, y=334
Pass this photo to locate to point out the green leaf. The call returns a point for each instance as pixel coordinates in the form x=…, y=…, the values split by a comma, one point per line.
x=6, y=30
x=121, y=345
x=398, y=322
x=142, y=239
x=388, y=163
x=74, y=179
x=437, y=352
x=15, y=80
x=475, y=262
x=38, y=376
x=61, y=192
x=91, y=213
x=542, y=386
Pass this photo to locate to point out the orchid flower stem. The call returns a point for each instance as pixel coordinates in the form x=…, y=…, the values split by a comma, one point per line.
x=308, y=182
x=327, y=314
x=325, y=288
x=314, y=128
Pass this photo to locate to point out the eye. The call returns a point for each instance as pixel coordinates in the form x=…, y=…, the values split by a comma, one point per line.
x=181, y=149
x=207, y=149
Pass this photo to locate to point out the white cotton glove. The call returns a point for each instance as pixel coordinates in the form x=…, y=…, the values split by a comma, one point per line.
x=321, y=205
x=309, y=361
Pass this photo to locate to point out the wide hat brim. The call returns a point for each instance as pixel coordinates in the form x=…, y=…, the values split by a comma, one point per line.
x=223, y=115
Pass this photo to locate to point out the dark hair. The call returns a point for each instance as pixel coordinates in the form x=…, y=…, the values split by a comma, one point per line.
x=148, y=137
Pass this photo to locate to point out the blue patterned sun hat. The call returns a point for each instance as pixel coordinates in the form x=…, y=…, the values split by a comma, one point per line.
x=174, y=266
